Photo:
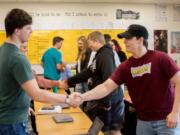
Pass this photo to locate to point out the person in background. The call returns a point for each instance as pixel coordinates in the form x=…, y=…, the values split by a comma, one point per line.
x=47, y=83
x=117, y=59
x=42, y=82
x=111, y=108
x=52, y=61
x=108, y=42
x=107, y=38
x=82, y=59
x=118, y=49
x=153, y=82
x=17, y=83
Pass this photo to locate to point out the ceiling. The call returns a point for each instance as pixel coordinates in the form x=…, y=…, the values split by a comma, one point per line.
x=106, y=1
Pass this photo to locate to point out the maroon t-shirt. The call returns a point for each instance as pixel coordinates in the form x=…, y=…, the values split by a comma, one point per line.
x=148, y=83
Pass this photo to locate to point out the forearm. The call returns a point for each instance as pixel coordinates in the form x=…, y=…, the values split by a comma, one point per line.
x=37, y=94
x=46, y=83
x=100, y=91
x=60, y=67
x=48, y=97
x=51, y=83
x=176, y=105
x=176, y=81
x=80, y=77
x=172, y=118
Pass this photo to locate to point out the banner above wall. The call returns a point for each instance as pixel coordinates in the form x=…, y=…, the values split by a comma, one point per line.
x=121, y=14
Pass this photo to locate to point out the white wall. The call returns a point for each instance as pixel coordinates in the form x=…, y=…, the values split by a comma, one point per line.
x=58, y=16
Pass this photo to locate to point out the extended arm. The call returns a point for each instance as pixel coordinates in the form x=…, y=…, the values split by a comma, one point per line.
x=173, y=117
x=100, y=91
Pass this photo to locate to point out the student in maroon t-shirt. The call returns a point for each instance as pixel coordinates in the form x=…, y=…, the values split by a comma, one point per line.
x=150, y=77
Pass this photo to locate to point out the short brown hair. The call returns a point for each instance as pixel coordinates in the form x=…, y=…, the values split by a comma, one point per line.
x=57, y=40
x=107, y=38
x=16, y=18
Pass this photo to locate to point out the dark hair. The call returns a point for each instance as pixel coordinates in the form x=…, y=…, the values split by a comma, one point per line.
x=145, y=42
x=57, y=40
x=117, y=46
x=16, y=18
x=107, y=38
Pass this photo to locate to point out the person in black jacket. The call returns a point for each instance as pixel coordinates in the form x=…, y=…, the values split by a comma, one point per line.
x=121, y=54
x=111, y=108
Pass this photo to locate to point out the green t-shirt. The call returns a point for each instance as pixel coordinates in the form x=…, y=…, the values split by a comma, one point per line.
x=14, y=71
x=50, y=59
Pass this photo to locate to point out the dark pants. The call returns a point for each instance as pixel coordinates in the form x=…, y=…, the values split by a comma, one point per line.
x=113, y=119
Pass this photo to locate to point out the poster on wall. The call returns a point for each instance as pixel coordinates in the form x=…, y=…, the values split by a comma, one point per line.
x=175, y=42
x=122, y=14
x=160, y=40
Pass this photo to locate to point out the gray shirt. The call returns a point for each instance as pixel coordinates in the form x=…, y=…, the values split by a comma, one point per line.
x=14, y=71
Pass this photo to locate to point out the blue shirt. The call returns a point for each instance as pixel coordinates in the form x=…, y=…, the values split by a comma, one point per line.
x=50, y=59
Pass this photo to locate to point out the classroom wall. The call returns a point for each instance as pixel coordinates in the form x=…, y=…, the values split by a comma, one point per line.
x=76, y=16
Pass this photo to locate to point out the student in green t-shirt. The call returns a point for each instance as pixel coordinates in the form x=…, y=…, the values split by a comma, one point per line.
x=52, y=61
x=17, y=84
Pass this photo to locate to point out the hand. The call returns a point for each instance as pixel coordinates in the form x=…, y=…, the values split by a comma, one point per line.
x=63, y=84
x=62, y=68
x=172, y=120
x=31, y=111
x=64, y=63
x=75, y=99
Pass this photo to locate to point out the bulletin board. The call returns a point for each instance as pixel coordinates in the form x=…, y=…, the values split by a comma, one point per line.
x=41, y=40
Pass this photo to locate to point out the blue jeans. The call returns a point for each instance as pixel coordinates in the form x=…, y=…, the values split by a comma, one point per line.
x=156, y=128
x=82, y=88
x=14, y=129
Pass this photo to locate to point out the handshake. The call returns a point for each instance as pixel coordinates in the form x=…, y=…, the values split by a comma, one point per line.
x=75, y=99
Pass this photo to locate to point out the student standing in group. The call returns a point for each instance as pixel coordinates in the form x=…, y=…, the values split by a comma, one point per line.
x=111, y=108
x=42, y=82
x=118, y=49
x=153, y=82
x=52, y=61
x=107, y=38
x=17, y=83
x=82, y=61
